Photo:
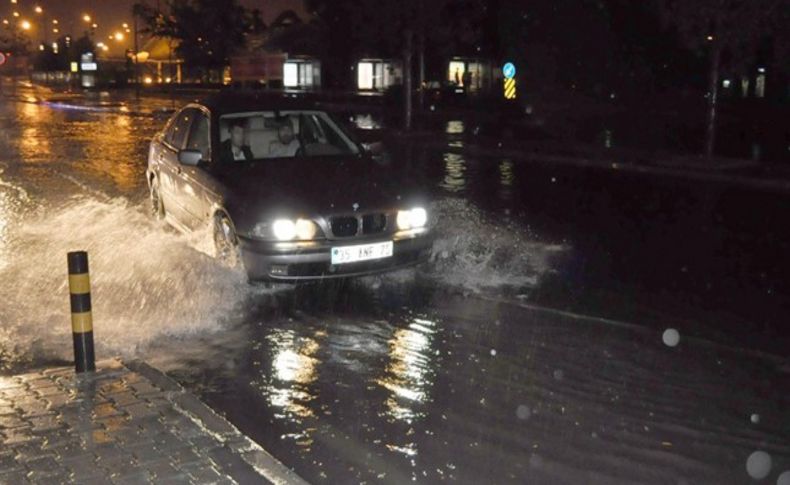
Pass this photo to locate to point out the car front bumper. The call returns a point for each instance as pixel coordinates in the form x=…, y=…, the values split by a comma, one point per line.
x=312, y=261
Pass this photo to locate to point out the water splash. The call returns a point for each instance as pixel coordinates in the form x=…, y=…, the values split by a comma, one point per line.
x=147, y=281
x=477, y=254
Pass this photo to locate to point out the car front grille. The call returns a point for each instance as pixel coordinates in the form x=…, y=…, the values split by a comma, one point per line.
x=348, y=226
x=374, y=223
x=344, y=226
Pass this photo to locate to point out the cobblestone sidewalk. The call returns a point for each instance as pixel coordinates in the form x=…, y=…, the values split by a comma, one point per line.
x=127, y=423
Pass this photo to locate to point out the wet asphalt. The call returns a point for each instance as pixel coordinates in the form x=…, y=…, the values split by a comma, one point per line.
x=530, y=348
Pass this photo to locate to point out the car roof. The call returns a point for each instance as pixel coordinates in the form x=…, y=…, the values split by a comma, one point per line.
x=238, y=101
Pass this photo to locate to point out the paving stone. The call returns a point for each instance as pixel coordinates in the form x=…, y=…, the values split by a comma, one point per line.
x=43, y=463
x=51, y=475
x=8, y=461
x=163, y=470
x=144, y=453
x=140, y=410
x=46, y=423
x=144, y=389
x=12, y=421
x=137, y=478
x=204, y=474
x=18, y=436
x=123, y=398
x=13, y=477
x=184, y=455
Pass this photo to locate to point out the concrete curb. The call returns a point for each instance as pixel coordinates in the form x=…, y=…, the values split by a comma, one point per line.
x=236, y=442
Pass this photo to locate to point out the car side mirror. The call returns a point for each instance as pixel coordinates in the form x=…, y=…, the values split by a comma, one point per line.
x=190, y=157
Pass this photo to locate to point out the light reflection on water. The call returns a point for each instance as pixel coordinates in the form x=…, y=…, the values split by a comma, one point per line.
x=406, y=375
x=293, y=369
x=455, y=173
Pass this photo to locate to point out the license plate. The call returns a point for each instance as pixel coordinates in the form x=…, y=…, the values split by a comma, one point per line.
x=361, y=252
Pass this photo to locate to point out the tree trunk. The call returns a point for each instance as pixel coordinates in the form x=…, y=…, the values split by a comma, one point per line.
x=407, y=81
x=421, y=60
x=713, y=90
x=713, y=95
x=421, y=53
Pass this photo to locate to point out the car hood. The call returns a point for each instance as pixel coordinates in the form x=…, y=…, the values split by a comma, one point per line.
x=269, y=189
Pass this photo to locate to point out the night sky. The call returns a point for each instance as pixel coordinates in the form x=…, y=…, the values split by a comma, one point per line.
x=109, y=15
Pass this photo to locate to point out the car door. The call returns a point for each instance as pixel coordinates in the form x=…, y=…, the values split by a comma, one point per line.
x=170, y=168
x=196, y=182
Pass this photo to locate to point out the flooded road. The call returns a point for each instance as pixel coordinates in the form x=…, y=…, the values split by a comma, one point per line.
x=506, y=359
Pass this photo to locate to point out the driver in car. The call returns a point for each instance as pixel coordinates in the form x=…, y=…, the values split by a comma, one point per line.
x=286, y=144
x=234, y=148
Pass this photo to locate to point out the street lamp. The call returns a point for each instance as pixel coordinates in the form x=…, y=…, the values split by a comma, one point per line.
x=86, y=18
x=25, y=25
x=38, y=9
x=16, y=14
x=118, y=36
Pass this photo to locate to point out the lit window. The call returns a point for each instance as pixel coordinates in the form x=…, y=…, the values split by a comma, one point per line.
x=290, y=75
x=365, y=75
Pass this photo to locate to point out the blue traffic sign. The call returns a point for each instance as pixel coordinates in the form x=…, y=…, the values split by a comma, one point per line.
x=509, y=70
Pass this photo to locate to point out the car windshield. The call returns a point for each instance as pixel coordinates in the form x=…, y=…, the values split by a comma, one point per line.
x=264, y=135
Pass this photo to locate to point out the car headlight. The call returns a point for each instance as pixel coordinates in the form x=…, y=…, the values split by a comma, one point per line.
x=288, y=230
x=412, y=219
x=284, y=229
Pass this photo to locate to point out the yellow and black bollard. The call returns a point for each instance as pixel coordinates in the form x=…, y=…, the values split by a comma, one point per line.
x=81, y=319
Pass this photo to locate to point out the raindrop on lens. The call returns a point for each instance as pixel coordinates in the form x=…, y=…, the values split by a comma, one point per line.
x=758, y=465
x=522, y=412
x=671, y=337
x=558, y=374
x=784, y=478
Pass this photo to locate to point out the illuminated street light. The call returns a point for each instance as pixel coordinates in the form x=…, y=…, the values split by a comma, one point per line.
x=94, y=25
x=710, y=38
x=5, y=21
x=125, y=25
x=55, y=31
x=25, y=25
x=38, y=9
x=55, y=21
x=86, y=18
x=118, y=36
x=16, y=14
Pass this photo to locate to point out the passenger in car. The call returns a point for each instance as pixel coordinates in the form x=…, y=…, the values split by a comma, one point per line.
x=234, y=148
x=286, y=144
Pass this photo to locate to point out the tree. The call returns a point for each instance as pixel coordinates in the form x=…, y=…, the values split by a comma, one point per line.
x=731, y=31
x=13, y=40
x=205, y=32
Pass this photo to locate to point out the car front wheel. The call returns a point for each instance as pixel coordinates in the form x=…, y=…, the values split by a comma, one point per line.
x=157, y=206
x=226, y=245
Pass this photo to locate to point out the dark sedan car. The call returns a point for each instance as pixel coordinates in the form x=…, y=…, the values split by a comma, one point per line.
x=288, y=193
